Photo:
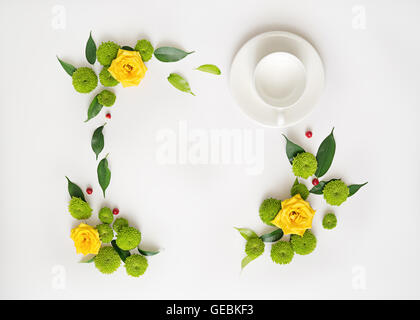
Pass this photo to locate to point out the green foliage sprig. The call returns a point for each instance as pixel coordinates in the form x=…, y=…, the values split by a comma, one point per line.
x=324, y=157
x=249, y=235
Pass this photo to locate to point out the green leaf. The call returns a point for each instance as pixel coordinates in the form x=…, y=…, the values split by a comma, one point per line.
x=180, y=83
x=210, y=68
x=104, y=174
x=247, y=233
x=318, y=188
x=98, y=141
x=245, y=261
x=74, y=190
x=147, y=253
x=272, y=236
x=325, y=155
x=296, y=182
x=88, y=260
x=354, y=188
x=90, y=50
x=170, y=54
x=292, y=149
x=70, y=69
x=124, y=254
x=127, y=48
x=94, y=109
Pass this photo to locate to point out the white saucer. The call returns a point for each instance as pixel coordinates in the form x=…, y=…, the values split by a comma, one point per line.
x=242, y=78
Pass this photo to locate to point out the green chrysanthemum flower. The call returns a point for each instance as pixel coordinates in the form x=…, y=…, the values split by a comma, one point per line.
x=145, y=48
x=301, y=189
x=269, y=209
x=282, y=252
x=84, y=80
x=106, y=98
x=128, y=238
x=136, y=265
x=79, y=209
x=254, y=247
x=107, y=52
x=105, y=215
x=119, y=224
x=305, y=244
x=107, y=79
x=304, y=165
x=329, y=221
x=335, y=192
x=106, y=234
x=107, y=260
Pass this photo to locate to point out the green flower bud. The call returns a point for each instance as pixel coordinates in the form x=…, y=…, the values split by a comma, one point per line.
x=119, y=224
x=305, y=244
x=329, y=221
x=282, y=252
x=107, y=52
x=145, y=48
x=106, y=234
x=301, y=189
x=79, y=209
x=105, y=215
x=269, y=209
x=254, y=247
x=106, y=98
x=107, y=260
x=136, y=265
x=128, y=238
x=84, y=80
x=107, y=79
x=335, y=192
x=304, y=165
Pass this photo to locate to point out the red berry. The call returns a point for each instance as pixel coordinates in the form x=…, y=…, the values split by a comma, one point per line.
x=108, y=115
x=315, y=181
x=308, y=134
x=89, y=190
x=115, y=211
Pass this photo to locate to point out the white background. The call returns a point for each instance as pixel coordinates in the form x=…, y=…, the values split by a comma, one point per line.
x=371, y=98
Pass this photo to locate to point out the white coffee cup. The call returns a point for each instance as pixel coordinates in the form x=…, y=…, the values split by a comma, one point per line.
x=280, y=79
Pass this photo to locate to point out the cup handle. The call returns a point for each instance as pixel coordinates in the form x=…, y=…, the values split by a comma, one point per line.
x=281, y=119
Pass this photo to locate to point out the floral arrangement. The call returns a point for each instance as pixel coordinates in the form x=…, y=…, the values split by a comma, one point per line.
x=90, y=240
x=125, y=65
x=294, y=216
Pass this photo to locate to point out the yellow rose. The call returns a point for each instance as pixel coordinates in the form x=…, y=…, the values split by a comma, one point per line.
x=295, y=216
x=128, y=68
x=86, y=239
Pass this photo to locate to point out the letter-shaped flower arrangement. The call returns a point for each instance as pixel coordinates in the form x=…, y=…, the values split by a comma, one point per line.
x=294, y=216
x=123, y=65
